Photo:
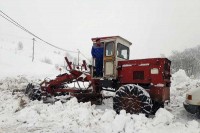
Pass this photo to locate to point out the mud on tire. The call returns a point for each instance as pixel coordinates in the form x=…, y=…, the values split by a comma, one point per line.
x=133, y=99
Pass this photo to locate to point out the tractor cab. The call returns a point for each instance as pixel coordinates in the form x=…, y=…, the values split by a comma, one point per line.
x=115, y=48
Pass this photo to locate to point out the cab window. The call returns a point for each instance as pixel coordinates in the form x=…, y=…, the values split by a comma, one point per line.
x=122, y=51
x=109, y=46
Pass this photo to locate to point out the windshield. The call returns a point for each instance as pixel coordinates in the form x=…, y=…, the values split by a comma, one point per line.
x=122, y=51
x=109, y=48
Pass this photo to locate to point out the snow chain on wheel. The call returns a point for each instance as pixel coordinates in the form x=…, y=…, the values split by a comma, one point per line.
x=133, y=99
x=33, y=92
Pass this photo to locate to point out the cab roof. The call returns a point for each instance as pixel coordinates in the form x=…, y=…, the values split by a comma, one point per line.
x=110, y=37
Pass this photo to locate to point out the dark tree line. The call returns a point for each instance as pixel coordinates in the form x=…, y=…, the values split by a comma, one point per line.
x=188, y=60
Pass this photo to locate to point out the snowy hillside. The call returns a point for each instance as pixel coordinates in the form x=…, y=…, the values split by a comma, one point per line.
x=20, y=115
x=16, y=58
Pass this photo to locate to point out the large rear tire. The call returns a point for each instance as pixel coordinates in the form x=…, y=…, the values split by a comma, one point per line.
x=133, y=99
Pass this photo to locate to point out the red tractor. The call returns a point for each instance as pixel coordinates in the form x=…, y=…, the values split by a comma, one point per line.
x=141, y=86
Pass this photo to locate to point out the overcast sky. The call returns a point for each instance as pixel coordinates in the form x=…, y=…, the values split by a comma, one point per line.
x=154, y=27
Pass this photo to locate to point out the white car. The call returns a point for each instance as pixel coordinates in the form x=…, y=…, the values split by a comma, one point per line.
x=192, y=102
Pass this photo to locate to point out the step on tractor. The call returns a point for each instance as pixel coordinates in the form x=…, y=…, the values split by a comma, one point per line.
x=140, y=86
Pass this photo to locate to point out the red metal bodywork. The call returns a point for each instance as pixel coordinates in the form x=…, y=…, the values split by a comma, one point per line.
x=152, y=74
x=139, y=72
x=129, y=72
x=55, y=86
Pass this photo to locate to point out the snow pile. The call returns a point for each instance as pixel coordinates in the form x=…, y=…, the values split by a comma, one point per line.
x=17, y=83
x=19, y=114
x=181, y=84
x=163, y=117
x=179, y=77
x=72, y=116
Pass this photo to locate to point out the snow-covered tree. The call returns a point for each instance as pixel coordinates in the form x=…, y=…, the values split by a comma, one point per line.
x=188, y=60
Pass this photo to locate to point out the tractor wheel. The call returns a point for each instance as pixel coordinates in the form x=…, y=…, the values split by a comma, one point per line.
x=33, y=92
x=133, y=99
x=156, y=106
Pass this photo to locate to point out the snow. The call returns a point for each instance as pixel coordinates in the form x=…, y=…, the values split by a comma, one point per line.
x=163, y=116
x=180, y=77
x=23, y=66
x=20, y=115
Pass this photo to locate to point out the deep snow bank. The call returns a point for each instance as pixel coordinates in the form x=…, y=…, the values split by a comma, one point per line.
x=18, y=114
x=82, y=117
x=181, y=84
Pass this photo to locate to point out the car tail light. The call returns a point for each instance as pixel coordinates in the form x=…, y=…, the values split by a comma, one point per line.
x=189, y=97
